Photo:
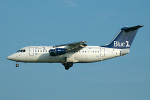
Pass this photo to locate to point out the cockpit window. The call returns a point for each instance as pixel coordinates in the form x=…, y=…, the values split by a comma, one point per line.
x=23, y=50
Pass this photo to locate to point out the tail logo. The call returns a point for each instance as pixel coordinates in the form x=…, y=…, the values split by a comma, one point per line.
x=121, y=44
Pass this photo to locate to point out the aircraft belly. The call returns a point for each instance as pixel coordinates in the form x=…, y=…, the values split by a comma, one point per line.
x=46, y=58
x=87, y=58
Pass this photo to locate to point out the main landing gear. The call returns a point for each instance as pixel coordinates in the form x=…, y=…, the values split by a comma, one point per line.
x=68, y=65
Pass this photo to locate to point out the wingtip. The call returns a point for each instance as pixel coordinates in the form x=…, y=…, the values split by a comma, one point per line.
x=140, y=26
x=83, y=41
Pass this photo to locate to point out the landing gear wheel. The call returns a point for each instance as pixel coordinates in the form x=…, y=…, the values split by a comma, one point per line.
x=17, y=65
x=68, y=65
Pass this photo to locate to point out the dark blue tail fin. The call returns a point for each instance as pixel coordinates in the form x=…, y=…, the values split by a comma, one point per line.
x=124, y=38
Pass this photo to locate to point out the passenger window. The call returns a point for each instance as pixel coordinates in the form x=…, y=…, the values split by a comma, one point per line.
x=44, y=50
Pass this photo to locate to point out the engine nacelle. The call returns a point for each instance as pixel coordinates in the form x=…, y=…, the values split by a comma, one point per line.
x=57, y=51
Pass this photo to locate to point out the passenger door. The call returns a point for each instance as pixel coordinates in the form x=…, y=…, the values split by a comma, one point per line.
x=31, y=51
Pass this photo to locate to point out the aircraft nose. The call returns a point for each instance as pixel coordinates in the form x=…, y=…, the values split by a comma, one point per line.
x=11, y=57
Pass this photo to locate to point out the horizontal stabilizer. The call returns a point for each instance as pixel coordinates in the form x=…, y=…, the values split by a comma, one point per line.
x=127, y=29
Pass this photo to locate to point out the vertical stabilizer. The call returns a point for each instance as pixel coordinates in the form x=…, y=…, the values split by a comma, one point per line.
x=124, y=38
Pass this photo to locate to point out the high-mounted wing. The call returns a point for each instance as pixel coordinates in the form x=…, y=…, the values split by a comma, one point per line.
x=64, y=48
x=74, y=46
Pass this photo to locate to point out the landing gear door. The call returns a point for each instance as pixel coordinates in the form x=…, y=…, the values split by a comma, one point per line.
x=31, y=51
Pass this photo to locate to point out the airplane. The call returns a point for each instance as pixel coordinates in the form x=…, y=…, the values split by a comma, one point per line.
x=78, y=52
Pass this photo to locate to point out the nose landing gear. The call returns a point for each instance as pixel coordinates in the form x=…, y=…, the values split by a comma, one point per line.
x=17, y=65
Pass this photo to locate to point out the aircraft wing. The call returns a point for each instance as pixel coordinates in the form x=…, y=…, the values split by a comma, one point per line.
x=74, y=46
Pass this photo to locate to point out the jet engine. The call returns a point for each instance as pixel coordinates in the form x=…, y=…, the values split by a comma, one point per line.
x=57, y=51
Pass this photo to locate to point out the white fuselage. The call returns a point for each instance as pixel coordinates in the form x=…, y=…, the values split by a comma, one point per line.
x=78, y=52
x=40, y=54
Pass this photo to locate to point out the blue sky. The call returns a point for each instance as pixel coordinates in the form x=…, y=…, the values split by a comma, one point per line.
x=54, y=22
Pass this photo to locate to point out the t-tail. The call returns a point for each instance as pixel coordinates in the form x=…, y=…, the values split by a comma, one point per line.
x=124, y=38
